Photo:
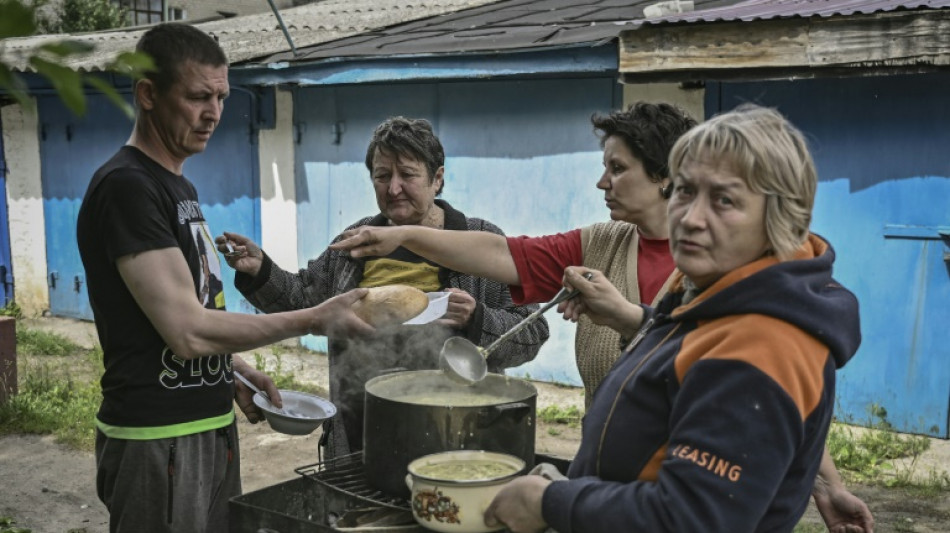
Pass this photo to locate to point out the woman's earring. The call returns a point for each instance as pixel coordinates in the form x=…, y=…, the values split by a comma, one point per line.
x=666, y=191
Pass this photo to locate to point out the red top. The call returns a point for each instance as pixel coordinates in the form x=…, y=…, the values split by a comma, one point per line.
x=541, y=262
x=654, y=266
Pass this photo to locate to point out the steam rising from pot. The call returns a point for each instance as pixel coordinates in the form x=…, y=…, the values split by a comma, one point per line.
x=357, y=360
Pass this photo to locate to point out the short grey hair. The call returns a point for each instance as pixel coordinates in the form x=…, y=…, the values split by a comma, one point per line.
x=406, y=137
x=771, y=155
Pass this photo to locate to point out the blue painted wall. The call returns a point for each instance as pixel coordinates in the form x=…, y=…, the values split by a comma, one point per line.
x=521, y=154
x=72, y=148
x=6, y=265
x=70, y=151
x=227, y=176
x=880, y=145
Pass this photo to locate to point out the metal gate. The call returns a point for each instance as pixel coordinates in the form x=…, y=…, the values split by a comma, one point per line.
x=879, y=144
x=72, y=148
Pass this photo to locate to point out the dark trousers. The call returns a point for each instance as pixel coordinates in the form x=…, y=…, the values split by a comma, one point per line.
x=179, y=484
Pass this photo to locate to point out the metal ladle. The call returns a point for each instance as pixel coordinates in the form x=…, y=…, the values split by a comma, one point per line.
x=465, y=362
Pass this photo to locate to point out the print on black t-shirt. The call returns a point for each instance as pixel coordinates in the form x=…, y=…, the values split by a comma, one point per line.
x=210, y=287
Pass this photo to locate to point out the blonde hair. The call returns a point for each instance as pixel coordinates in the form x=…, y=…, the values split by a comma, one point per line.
x=771, y=155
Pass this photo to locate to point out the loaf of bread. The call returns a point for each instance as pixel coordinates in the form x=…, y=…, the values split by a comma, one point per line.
x=389, y=305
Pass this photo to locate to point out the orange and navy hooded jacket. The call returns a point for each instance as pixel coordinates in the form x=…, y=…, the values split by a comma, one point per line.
x=715, y=420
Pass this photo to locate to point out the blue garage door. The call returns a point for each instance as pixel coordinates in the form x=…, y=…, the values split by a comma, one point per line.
x=515, y=150
x=880, y=147
x=6, y=265
x=72, y=148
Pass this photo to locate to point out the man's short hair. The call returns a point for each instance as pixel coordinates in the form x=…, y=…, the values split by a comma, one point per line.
x=171, y=45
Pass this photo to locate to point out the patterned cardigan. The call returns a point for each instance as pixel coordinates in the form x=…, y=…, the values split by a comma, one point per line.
x=611, y=247
x=352, y=362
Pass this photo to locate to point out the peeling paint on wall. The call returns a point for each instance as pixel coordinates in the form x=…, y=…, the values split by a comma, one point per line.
x=25, y=209
x=278, y=189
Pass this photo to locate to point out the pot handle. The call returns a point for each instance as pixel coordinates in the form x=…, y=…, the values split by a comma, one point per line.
x=513, y=411
x=409, y=482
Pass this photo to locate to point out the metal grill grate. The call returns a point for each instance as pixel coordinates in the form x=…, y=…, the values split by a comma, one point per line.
x=345, y=474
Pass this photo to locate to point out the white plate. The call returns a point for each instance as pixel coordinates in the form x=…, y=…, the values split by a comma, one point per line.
x=438, y=305
x=306, y=412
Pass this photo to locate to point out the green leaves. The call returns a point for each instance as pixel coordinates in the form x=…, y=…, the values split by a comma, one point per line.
x=18, y=20
x=76, y=16
x=15, y=87
x=133, y=64
x=67, y=82
x=112, y=95
x=52, y=59
x=67, y=48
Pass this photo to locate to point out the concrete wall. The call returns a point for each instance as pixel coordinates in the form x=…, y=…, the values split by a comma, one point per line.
x=278, y=191
x=25, y=209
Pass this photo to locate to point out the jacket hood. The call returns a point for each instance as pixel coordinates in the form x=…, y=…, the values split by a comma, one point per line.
x=800, y=291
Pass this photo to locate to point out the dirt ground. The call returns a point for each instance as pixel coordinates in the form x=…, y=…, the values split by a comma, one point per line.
x=51, y=489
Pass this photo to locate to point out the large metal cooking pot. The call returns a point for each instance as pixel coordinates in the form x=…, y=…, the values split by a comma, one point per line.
x=411, y=414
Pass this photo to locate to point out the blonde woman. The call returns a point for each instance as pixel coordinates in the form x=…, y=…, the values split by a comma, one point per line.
x=715, y=416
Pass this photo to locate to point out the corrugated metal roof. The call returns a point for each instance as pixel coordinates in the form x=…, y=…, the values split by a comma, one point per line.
x=749, y=10
x=505, y=25
x=252, y=36
x=523, y=24
x=387, y=28
x=794, y=38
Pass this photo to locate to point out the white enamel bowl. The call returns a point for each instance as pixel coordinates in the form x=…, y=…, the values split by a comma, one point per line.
x=302, y=412
x=457, y=506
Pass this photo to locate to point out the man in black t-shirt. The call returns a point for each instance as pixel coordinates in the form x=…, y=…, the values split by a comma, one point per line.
x=166, y=445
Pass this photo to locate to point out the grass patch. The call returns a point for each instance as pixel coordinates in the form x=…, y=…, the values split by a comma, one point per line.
x=870, y=455
x=49, y=403
x=8, y=525
x=554, y=414
x=284, y=378
x=11, y=309
x=96, y=356
x=38, y=342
